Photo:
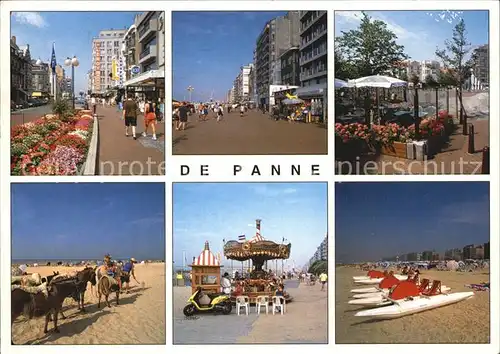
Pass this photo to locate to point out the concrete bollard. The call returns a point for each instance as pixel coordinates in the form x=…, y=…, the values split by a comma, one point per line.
x=471, y=148
x=410, y=151
x=485, y=165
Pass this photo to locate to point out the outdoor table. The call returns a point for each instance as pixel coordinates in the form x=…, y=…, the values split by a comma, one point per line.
x=402, y=113
x=351, y=119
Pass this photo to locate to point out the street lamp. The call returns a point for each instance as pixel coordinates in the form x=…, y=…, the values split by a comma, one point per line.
x=73, y=63
x=190, y=89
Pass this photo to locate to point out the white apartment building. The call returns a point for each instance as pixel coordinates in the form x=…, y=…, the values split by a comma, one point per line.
x=243, y=83
x=105, y=49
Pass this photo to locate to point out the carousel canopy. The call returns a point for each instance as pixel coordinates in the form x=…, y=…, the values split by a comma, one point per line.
x=206, y=258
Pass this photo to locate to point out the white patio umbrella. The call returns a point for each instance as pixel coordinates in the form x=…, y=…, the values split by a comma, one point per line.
x=378, y=81
x=341, y=84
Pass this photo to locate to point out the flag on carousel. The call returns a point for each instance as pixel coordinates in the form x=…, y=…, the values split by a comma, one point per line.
x=53, y=61
x=242, y=238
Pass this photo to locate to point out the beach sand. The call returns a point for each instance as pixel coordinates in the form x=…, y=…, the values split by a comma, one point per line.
x=139, y=319
x=464, y=322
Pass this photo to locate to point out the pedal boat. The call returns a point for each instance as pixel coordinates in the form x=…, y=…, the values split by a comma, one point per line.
x=407, y=299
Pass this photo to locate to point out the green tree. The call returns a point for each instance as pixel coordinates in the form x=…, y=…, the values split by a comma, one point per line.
x=343, y=69
x=318, y=267
x=430, y=82
x=371, y=48
x=454, y=58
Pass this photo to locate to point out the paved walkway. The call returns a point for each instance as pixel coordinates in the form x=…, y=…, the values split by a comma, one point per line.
x=306, y=321
x=454, y=159
x=121, y=155
x=254, y=134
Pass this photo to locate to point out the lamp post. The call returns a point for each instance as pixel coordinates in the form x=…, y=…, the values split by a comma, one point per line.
x=190, y=89
x=73, y=62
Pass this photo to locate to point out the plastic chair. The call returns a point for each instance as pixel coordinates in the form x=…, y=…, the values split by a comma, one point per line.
x=278, y=304
x=260, y=301
x=242, y=301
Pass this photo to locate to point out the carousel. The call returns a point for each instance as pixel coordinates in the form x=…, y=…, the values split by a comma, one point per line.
x=259, y=251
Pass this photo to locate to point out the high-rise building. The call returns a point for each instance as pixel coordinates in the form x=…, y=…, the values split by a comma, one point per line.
x=105, y=51
x=278, y=35
x=40, y=78
x=487, y=250
x=243, y=84
x=313, y=48
x=469, y=252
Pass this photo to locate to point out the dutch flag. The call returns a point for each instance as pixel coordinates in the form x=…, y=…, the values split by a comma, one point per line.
x=242, y=238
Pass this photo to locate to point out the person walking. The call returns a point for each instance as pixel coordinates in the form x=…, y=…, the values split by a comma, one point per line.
x=130, y=115
x=127, y=271
x=242, y=110
x=220, y=114
x=94, y=104
x=183, y=117
x=323, y=278
x=149, y=119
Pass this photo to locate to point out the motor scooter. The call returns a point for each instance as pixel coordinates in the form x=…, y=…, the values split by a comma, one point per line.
x=219, y=302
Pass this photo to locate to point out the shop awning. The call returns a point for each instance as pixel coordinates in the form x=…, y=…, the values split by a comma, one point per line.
x=312, y=91
x=145, y=79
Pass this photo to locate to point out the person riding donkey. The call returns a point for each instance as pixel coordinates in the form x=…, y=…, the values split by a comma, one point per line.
x=110, y=269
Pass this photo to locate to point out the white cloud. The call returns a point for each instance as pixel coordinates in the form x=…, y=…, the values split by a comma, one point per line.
x=30, y=18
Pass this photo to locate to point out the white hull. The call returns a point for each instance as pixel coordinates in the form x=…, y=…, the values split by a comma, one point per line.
x=380, y=293
x=402, y=308
x=365, y=290
x=368, y=280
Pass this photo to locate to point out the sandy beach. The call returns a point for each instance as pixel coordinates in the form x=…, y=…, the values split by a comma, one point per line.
x=305, y=321
x=464, y=322
x=138, y=319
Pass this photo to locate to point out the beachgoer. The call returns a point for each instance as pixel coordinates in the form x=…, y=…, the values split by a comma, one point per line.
x=323, y=278
x=220, y=114
x=183, y=116
x=149, y=119
x=130, y=115
x=242, y=110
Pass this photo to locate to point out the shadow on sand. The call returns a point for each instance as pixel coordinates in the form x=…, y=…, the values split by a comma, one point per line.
x=82, y=320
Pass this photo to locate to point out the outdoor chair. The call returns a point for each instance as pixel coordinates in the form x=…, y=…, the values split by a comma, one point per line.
x=242, y=301
x=279, y=304
x=260, y=301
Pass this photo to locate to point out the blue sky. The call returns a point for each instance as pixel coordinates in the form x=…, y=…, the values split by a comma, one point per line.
x=88, y=220
x=216, y=211
x=421, y=31
x=375, y=220
x=209, y=48
x=71, y=31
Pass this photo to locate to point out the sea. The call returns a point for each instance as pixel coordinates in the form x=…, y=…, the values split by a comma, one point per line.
x=69, y=261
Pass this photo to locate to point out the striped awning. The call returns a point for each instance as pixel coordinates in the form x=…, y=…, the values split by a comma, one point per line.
x=206, y=258
x=258, y=237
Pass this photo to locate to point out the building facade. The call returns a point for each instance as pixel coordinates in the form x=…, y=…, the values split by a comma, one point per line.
x=290, y=69
x=144, y=53
x=40, y=78
x=105, y=50
x=20, y=72
x=313, y=48
x=482, y=65
x=321, y=253
x=429, y=68
x=278, y=35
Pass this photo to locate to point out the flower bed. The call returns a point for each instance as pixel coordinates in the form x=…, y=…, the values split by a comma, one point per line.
x=50, y=146
x=391, y=139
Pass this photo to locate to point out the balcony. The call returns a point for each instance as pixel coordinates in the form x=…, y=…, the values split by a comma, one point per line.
x=316, y=36
x=309, y=58
x=304, y=76
x=147, y=54
x=149, y=27
x=304, y=26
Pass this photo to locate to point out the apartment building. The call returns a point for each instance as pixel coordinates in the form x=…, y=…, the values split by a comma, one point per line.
x=144, y=51
x=243, y=84
x=429, y=68
x=105, y=50
x=313, y=48
x=277, y=36
x=482, y=64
